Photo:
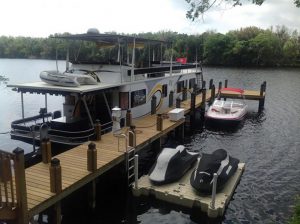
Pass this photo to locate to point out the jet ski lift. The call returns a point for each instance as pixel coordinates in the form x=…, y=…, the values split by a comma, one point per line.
x=182, y=193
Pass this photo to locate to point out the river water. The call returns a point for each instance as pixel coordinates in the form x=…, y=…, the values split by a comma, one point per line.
x=269, y=144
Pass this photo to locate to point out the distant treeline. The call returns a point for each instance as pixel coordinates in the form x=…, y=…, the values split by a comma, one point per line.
x=249, y=46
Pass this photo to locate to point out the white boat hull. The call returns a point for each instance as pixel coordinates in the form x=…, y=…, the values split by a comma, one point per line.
x=218, y=111
x=66, y=79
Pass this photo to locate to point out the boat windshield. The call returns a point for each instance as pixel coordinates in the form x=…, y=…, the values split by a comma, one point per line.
x=228, y=104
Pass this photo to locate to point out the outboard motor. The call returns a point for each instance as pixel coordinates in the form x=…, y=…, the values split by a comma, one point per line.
x=218, y=162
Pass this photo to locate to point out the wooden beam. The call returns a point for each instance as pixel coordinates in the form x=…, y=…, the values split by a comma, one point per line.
x=21, y=191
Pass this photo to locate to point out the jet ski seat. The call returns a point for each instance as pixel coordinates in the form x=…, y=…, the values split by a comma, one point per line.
x=218, y=162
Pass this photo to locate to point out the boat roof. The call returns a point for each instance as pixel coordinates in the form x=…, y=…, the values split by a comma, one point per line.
x=108, y=38
x=42, y=88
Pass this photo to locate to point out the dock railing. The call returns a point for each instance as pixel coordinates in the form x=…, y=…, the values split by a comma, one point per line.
x=13, y=194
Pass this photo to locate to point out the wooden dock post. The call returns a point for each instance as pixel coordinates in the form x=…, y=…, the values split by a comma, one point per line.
x=92, y=157
x=55, y=176
x=193, y=109
x=211, y=82
x=153, y=105
x=98, y=130
x=203, y=84
x=171, y=98
x=55, y=187
x=128, y=118
x=132, y=136
x=159, y=122
x=46, y=150
x=213, y=94
x=92, y=167
x=203, y=103
x=184, y=94
x=261, y=103
x=225, y=86
x=21, y=191
x=178, y=102
x=220, y=86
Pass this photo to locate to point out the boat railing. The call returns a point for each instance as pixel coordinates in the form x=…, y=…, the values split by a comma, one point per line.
x=156, y=72
x=20, y=124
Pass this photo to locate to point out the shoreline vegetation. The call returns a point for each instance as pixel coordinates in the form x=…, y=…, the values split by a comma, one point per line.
x=295, y=219
x=246, y=47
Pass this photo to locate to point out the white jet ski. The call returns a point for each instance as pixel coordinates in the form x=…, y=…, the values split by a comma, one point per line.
x=172, y=164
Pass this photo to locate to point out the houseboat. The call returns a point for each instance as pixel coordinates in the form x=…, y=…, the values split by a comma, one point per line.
x=92, y=89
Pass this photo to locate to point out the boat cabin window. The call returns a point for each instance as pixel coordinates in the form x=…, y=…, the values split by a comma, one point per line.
x=192, y=83
x=124, y=100
x=180, y=86
x=138, y=97
x=164, y=90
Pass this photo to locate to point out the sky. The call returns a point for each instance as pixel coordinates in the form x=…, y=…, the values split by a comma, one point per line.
x=41, y=18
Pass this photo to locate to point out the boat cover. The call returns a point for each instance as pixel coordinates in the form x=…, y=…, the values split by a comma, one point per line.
x=218, y=162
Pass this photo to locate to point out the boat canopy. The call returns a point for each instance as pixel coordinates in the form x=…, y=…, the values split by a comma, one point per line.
x=43, y=88
x=109, y=38
x=237, y=90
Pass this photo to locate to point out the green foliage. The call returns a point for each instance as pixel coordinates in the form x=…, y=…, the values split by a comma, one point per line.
x=199, y=7
x=296, y=217
x=249, y=46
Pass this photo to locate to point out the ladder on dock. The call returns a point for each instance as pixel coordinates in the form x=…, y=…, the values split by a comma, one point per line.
x=130, y=165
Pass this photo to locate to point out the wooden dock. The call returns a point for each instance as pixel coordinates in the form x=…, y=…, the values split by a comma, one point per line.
x=182, y=193
x=27, y=192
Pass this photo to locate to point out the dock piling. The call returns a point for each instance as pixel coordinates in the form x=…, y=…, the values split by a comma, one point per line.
x=213, y=94
x=132, y=136
x=261, y=103
x=92, y=157
x=193, y=109
x=184, y=94
x=136, y=171
x=220, y=86
x=214, y=190
x=128, y=118
x=225, y=86
x=159, y=122
x=153, y=105
x=98, y=130
x=46, y=150
x=211, y=82
x=178, y=102
x=21, y=191
x=55, y=176
x=203, y=84
x=171, y=98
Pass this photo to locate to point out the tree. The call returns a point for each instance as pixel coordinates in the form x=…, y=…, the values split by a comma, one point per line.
x=198, y=7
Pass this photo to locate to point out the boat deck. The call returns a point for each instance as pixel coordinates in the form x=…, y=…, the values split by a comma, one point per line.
x=182, y=193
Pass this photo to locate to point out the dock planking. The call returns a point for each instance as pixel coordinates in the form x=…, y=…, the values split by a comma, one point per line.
x=110, y=152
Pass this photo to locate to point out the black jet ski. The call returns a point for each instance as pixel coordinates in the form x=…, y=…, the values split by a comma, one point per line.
x=218, y=162
x=172, y=164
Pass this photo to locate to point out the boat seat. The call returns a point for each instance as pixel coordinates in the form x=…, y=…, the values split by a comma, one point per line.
x=56, y=114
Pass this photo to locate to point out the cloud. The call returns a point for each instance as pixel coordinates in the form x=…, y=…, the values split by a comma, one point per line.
x=38, y=18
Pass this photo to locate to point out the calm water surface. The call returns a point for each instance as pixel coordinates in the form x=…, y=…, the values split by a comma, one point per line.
x=269, y=144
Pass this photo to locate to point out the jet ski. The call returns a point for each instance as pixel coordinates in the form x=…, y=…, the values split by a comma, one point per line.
x=218, y=162
x=172, y=164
